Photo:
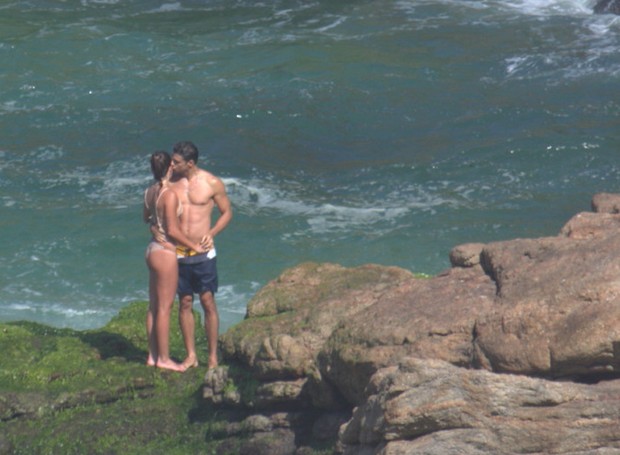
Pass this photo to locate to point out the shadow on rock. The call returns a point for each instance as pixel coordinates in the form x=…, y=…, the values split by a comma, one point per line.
x=110, y=345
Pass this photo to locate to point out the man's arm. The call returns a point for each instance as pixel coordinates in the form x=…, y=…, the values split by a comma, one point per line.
x=223, y=204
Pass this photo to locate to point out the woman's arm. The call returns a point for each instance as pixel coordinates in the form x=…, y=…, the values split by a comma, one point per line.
x=147, y=217
x=170, y=203
x=146, y=212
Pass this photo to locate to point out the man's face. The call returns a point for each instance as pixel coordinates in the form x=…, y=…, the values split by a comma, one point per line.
x=180, y=167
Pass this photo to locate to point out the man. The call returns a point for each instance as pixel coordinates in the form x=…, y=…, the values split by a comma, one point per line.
x=199, y=192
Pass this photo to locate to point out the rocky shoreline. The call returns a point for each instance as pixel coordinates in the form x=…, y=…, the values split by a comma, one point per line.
x=515, y=349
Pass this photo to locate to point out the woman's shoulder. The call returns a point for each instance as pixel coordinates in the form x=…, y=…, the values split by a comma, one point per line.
x=152, y=189
x=168, y=195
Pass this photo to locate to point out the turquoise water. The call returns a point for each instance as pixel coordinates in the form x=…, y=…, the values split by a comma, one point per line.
x=350, y=132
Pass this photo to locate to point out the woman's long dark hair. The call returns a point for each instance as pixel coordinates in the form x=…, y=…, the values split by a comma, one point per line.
x=160, y=162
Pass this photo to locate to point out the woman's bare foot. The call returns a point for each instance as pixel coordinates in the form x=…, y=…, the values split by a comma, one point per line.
x=212, y=363
x=150, y=361
x=190, y=362
x=170, y=365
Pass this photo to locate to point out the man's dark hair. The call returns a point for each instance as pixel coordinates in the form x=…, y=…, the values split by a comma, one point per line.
x=160, y=162
x=187, y=150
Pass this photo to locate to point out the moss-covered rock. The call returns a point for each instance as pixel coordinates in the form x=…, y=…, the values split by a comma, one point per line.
x=67, y=391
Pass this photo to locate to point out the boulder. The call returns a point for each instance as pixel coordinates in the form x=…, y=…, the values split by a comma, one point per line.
x=434, y=408
x=466, y=255
x=557, y=310
x=289, y=321
x=427, y=318
x=606, y=203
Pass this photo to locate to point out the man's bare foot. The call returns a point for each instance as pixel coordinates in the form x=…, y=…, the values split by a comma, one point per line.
x=190, y=362
x=170, y=365
x=212, y=363
x=150, y=361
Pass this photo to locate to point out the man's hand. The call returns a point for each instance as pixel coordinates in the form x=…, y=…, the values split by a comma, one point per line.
x=207, y=242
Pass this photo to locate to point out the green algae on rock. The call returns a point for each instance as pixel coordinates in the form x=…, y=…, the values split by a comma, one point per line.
x=67, y=391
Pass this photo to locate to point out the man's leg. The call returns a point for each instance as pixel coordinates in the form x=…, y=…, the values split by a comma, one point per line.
x=186, y=321
x=212, y=325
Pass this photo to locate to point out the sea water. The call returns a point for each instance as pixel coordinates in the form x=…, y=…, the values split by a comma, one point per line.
x=350, y=132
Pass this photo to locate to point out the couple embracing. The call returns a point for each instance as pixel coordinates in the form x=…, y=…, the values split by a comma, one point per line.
x=181, y=255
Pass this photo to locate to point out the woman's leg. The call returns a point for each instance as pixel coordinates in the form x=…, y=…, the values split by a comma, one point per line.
x=164, y=264
x=151, y=315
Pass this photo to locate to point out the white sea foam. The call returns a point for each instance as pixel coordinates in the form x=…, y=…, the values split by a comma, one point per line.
x=50, y=180
x=12, y=107
x=97, y=310
x=337, y=21
x=234, y=298
x=547, y=8
x=588, y=49
x=55, y=314
x=340, y=213
x=168, y=7
x=100, y=2
x=118, y=183
x=526, y=7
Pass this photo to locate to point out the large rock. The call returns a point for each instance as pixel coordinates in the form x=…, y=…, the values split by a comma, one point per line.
x=547, y=308
x=428, y=318
x=291, y=318
x=557, y=311
x=431, y=407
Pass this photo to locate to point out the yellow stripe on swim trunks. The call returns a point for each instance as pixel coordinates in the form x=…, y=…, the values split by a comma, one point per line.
x=185, y=252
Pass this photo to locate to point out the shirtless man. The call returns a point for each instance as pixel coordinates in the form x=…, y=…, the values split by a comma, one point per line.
x=199, y=192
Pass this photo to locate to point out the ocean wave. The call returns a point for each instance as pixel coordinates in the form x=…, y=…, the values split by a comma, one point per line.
x=588, y=55
x=550, y=51
x=99, y=2
x=94, y=311
x=56, y=314
x=548, y=8
x=353, y=208
x=48, y=170
x=490, y=8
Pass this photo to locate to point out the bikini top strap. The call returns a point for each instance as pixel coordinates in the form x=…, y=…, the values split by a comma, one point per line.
x=162, y=190
x=146, y=201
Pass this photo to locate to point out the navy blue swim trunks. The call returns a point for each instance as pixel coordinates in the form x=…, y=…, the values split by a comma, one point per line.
x=197, y=277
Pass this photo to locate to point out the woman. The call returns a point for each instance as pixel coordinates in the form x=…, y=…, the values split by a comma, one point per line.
x=162, y=210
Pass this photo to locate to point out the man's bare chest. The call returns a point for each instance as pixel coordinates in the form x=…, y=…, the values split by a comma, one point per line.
x=199, y=192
